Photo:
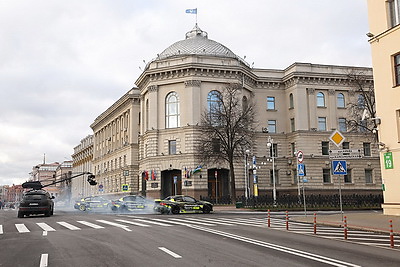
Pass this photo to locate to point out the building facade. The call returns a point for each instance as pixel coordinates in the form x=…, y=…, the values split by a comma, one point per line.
x=297, y=109
x=384, y=21
x=82, y=163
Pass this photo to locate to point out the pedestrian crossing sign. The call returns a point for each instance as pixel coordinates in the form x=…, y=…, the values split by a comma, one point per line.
x=301, y=170
x=339, y=167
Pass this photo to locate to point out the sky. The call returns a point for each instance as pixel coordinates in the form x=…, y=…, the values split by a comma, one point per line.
x=63, y=63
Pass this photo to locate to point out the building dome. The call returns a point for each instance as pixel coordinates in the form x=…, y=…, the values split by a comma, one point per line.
x=197, y=43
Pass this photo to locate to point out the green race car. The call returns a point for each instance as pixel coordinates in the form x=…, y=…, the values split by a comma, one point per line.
x=92, y=203
x=182, y=204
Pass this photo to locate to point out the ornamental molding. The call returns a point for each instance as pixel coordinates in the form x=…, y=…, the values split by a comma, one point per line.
x=352, y=92
x=152, y=88
x=193, y=83
x=331, y=92
x=311, y=91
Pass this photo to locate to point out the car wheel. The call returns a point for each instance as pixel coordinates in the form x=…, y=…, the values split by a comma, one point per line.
x=206, y=209
x=82, y=208
x=113, y=208
x=47, y=213
x=52, y=212
x=175, y=209
x=20, y=214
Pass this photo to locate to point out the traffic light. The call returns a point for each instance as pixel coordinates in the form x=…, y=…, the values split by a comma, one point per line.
x=91, y=180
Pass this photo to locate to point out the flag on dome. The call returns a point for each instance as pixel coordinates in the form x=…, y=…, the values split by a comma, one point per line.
x=191, y=11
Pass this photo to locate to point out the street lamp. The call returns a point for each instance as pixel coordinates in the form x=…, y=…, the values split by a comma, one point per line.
x=246, y=182
x=270, y=145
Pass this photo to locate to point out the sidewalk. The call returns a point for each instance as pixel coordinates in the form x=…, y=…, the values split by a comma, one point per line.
x=366, y=220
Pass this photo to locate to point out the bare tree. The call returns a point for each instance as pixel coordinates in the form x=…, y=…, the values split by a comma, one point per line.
x=362, y=111
x=228, y=126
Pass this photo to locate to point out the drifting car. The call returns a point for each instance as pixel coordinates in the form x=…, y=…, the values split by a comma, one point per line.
x=92, y=203
x=36, y=202
x=182, y=204
x=129, y=203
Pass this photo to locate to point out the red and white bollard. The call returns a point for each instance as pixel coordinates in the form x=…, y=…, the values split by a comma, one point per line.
x=345, y=228
x=391, y=234
x=287, y=220
x=269, y=218
x=315, y=223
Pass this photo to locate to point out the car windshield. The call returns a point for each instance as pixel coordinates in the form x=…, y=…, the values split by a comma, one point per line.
x=130, y=198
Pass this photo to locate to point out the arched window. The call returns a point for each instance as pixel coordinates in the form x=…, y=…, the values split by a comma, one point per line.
x=172, y=110
x=214, y=106
x=291, y=101
x=340, y=100
x=320, y=100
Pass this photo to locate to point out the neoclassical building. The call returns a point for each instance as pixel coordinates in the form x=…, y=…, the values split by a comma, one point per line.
x=147, y=138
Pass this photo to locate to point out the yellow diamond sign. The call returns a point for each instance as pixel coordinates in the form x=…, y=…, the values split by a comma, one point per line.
x=337, y=138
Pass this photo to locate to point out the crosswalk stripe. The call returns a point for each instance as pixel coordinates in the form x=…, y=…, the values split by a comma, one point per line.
x=95, y=226
x=1, y=229
x=191, y=222
x=22, y=228
x=173, y=222
x=215, y=221
x=125, y=227
x=156, y=223
x=69, y=226
x=133, y=223
x=46, y=227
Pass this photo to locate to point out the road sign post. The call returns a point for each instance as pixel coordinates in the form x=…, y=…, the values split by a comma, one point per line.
x=339, y=167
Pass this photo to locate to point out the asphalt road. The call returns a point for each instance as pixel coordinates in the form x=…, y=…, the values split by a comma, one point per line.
x=218, y=239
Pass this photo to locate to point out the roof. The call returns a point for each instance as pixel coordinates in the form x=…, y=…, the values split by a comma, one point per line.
x=197, y=43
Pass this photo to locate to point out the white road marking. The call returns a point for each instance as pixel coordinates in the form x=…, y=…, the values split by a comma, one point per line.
x=44, y=258
x=95, y=226
x=21, y=228
x=69, y=226
x=173, y=254
x=188, y=221
x=173, y=222
x=44, y=233
x=1, y=229
x=46, y=227
x=156, y=223
x=134, y=223
x=125, y=227
x=300, y=253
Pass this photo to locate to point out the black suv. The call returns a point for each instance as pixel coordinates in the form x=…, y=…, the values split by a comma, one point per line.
x=36, y=202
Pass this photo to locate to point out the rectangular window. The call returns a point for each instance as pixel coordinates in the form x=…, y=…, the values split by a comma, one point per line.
x=326, y=175
x=294, y=171
x=367, y=149
x=342, y=125
x=398, y=124
x=292, y=126
x=347, y=177
x=172, y=147
x=393, y=12
x=346, y=145
x=397, y=69
x=272, y=126
x=368, y=176
x=216, y=145
x=325, y=147
x=270, y=103
x=271, y=175
x=321, y=124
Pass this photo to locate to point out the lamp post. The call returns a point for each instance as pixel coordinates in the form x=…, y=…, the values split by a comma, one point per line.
x=246, y=182
x=270, y=145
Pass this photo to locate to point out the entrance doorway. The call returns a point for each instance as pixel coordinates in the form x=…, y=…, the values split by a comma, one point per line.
x=171, y=183
x=218, y=184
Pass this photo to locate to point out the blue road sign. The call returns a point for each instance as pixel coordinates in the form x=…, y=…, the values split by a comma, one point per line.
x=301, y=171
x=339, y=167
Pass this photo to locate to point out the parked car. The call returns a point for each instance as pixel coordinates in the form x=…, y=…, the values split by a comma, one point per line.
x=182, y=204
x=92, y=203
x=129, y=203
x=36, y=202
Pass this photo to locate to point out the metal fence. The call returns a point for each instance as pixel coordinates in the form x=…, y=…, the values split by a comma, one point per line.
x=353, y=201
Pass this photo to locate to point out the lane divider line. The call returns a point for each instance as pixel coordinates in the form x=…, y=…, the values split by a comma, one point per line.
x=44, y=258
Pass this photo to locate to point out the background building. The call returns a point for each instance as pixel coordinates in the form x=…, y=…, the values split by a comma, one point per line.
x=82, y=162
x=152, y=131
x=384, y=20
